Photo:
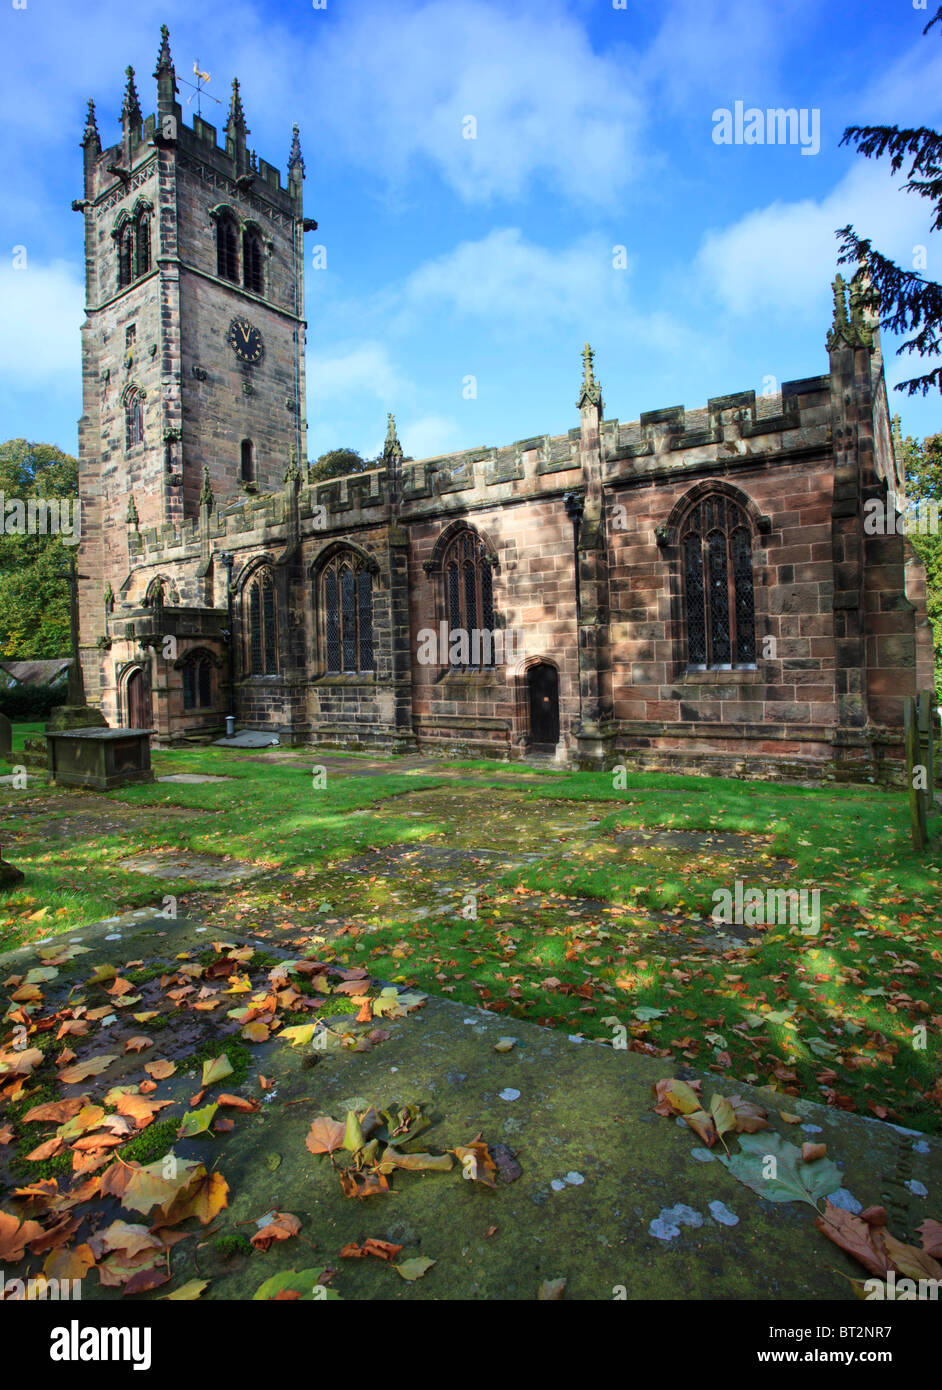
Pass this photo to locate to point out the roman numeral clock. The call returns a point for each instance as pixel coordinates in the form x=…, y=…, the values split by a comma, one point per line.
x=245, y=340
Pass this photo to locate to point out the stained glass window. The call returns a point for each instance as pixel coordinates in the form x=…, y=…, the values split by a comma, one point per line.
x=469, y=595
x=719, y=599
x=262, y=625
x=346, y=587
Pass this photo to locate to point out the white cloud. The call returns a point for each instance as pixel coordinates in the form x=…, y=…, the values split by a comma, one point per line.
x=397, y=84
x=364, y=369
x=782, y=258
x=504, y=279
x=43, y=310
x=429, y=435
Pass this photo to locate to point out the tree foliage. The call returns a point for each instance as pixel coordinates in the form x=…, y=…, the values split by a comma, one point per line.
x=923, y=465
x=338, y=463
x=907, y=302
x=34, y=591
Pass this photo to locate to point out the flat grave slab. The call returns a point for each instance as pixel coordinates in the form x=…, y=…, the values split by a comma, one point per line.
x=194, y=778
x=597, y=1189
x=200, y=868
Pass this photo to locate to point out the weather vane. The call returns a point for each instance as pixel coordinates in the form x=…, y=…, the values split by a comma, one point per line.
x=199, y=89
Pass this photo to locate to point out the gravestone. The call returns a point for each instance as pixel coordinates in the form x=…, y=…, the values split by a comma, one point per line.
x=6, y=736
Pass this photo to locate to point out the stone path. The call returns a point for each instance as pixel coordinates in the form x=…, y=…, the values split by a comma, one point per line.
x=609, y=1196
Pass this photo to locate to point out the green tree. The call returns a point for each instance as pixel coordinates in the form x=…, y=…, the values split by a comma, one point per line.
x=923, y=465
x=34, y=591
x=338, y=463
x=906, y=302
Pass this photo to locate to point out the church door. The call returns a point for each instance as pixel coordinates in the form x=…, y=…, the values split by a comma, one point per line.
x=543, y=683
x=140, y=715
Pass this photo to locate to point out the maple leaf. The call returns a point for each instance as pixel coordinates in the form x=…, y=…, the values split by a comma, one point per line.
x=278, y=1225
x=855, y=1236
x=325, y=1135
x=14, y=1237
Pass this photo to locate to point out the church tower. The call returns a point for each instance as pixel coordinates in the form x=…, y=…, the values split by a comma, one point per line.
x=193, y=341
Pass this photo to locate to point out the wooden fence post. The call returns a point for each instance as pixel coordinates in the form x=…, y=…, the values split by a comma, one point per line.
x=915, y=771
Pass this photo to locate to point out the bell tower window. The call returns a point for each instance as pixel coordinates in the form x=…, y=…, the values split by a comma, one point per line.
x=252, y=262
x=227, y=249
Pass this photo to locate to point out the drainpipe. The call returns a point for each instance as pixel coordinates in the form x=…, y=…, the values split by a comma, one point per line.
x=574, y=503
x=226, y=559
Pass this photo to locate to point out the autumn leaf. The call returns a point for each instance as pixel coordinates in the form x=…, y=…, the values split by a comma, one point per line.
x=930, y=1233
x=138, y=1044
x=551, y=1289
x=277, y=1225
x=215, y=1070
x=413, y=1269
x=14, y=1237
x=187, y=1292
x=93, y=1067
x=160, y=1071
x=356, y=1184
x=325, y=1135
x=302, y=1284
x=382, y=1249
x=197, y=1121
x=863, y=1242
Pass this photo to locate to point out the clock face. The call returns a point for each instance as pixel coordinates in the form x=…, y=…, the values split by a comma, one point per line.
x=245, y=341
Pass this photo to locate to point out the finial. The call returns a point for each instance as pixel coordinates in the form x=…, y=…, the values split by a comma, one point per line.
x=164, y=61
x=235, y=122
x=392, y=449
x=292, y=472
x=131, y=108
x=132, y=517
x=206, y=492
x=295, y=158
x=591, y=393
x=854, y=330
x=90, y=135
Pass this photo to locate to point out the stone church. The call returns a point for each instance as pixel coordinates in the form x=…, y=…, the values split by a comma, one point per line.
x=690, y=589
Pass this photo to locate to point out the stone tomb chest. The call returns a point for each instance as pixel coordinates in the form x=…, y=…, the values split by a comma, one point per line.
x=101, y=759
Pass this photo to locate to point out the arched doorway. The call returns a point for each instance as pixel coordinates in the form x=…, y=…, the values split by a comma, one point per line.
x=140, y=714
x=543, y=693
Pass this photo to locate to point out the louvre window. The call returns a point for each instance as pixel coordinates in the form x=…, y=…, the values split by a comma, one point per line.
x=227, y=250
x=252, y=262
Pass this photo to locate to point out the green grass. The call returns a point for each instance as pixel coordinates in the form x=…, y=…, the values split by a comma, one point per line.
x=592, y=938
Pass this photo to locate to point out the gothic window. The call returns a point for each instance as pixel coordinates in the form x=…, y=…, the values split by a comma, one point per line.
x=469, y=593
x=125, y=257
x=252, y=262
x=248, y=461
x=143, y=243
x=133, y=418
x=261, y=625
x=719, y=599
x=197, y=681
x=227, y=249
x=346, y=592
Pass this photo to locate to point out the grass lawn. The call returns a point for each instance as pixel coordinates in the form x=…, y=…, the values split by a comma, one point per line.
x=593, y=937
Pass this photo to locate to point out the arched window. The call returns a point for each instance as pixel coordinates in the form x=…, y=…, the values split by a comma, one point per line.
x=469, y=600
x=719, y=600
x=197, y=681
x=125, y=256
x=133, y=418
x=252, y=262
x=143, y=242
x=248, y=461
x=227, y=249
x=346, y=602
x=259, y=613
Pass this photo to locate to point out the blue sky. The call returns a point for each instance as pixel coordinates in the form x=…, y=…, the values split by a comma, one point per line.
x=449, y=257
